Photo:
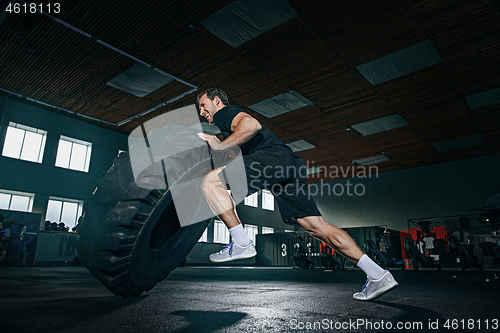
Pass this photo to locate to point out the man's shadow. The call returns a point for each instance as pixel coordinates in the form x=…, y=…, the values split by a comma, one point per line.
x=208, y=321
x=413, y=315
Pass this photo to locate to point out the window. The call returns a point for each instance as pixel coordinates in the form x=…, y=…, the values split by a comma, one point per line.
x=24, y=143
x=267, y=200
x=267, y=230
x=64, y=210
x=204, y=237
x=221, y=234
x=252, y=200
x=73, y=154
x=20, y=201
x=252, y=231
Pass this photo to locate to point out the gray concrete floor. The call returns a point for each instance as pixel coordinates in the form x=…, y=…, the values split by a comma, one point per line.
x=238, y=299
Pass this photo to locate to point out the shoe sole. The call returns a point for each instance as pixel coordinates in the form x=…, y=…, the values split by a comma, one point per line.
x=379, y=292
x=235, y=258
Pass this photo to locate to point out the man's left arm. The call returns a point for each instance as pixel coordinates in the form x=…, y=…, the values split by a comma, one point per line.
x=244, y=128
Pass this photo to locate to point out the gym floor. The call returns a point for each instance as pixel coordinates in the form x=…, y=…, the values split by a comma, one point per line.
x=248, y=299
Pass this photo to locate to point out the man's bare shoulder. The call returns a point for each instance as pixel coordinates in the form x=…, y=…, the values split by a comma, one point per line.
x=239, y=117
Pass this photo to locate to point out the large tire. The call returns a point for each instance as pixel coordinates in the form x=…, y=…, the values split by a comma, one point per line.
x=130, y=237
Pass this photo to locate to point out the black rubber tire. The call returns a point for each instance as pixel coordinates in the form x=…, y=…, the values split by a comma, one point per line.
x=130, y=237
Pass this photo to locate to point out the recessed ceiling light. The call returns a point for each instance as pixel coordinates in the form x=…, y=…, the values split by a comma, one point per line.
x=482, y=99
x=471, y=141
x=372, y=160
x=400, y=63
x=281, y=104
x=139, y=80
x=300, y=145
x=243, y=20
x=380, y=125
x=314, y=171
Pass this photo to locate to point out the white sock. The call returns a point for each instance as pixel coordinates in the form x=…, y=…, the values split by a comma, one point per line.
x=371, y=269
x=239, y=235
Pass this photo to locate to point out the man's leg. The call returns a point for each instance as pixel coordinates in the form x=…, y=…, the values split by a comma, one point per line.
x=334, y=237
x=218, y=198
x=222, y=204
x=379, y=280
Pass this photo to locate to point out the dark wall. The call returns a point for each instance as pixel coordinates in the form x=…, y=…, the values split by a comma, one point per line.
x=46, y=179
x=390, y=198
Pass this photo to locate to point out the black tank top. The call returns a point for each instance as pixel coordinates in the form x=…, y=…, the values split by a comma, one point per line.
x=264, y=139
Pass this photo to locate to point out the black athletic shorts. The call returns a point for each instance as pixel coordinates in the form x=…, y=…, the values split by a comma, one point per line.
x=283, y=174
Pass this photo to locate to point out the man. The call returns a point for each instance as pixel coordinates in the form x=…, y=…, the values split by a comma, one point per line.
x=265, y=158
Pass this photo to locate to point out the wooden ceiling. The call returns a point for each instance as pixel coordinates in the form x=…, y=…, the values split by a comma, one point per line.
x=314, y=54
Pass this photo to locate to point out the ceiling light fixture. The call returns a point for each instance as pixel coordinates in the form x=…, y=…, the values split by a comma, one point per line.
x=300, y=145
x=400, y=63
x=380, y=125
x=471, y=141
x=243, y=20
x=281, y=104
x=372, y=160
x=139, y=80
x=314, y=171
x=482, y=99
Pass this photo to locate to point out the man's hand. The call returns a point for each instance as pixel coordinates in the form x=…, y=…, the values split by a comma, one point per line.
x=212, y=141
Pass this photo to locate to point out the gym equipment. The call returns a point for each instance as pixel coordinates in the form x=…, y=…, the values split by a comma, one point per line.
x=418, y=257
x=373, y=251
x=457, y=247
x=24, y=232
x=302, y=254
x=306, y=255
x=329, y=258
x=130, y=237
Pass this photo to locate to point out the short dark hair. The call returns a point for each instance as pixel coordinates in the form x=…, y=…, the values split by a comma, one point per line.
x=211, y=93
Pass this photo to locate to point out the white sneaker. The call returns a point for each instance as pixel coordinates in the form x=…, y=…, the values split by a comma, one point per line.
x=233, y=251
x=373, y=288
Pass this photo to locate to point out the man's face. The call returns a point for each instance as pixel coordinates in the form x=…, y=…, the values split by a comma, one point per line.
x=208, y=107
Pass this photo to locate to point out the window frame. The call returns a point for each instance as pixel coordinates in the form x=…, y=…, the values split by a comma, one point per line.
x=267, y=200
x=252, y=200
x=73, y=141
x=267, y=230
x=31, y=197
x=25, y=129
x=79, y=211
